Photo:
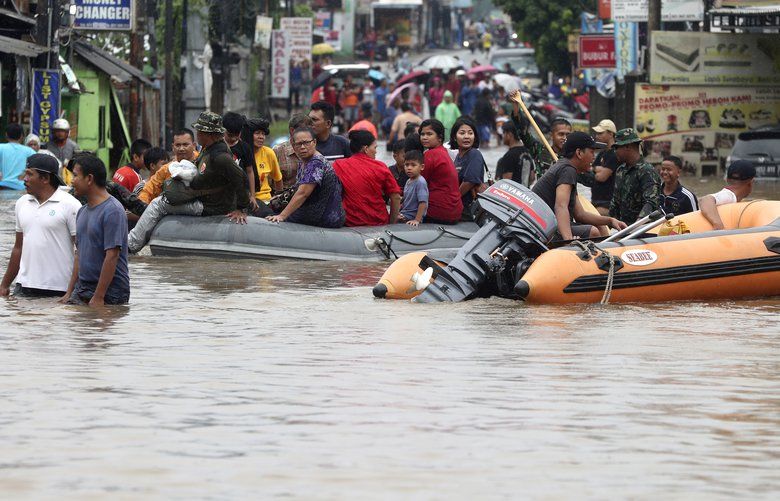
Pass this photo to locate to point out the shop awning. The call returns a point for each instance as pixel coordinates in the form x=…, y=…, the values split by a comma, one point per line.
x=20, y=47
x=111, y=65
x=396, y=4
x=746, y=18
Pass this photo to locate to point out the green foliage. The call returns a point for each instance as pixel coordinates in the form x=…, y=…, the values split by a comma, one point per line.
x=303, y=10
x=546, y=25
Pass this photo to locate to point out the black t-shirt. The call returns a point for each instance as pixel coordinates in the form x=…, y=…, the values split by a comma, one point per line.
x=334, y=147
x=561, y=172
x=602, y=192
x=243, y=156
x=517, y=161
x=399, y=174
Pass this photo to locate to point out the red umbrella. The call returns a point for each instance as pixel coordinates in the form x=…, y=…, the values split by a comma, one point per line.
x=413, y=89
x=484, y=68
x=415, y=76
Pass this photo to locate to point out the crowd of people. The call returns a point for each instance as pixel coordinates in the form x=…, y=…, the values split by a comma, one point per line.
x=315, y=178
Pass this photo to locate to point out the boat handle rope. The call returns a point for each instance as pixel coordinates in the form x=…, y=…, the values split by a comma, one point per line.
x=594, y=250
x=387, y=247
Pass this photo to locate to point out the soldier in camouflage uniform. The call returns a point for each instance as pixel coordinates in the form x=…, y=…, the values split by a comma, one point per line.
x=637, y=184
x=560, y=128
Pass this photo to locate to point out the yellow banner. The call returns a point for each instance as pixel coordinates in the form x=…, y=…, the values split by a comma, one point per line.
x=700, y=124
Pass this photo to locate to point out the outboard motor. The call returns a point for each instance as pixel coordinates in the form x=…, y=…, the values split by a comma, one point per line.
x=516, y=227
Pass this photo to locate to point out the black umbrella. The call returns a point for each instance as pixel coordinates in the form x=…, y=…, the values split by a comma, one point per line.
x=322, y=78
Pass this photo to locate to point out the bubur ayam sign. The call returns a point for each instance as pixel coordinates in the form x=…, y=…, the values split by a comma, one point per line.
x=111, y=15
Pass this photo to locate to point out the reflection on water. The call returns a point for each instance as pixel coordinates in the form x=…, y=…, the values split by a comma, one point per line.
x=226, y=378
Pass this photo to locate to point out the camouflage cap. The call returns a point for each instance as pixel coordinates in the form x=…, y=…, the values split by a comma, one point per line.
x=208, y=121
x=626, y=136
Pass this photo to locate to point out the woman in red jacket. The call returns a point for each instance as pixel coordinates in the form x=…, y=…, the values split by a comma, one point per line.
x=444, y=203
x=366, y=183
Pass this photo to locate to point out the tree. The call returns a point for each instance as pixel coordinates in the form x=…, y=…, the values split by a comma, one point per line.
x=547, y=25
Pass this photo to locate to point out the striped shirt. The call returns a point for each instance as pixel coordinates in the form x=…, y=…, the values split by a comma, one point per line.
x=680, y=201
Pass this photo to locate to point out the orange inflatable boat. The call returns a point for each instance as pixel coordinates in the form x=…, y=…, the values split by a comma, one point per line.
x=741, y=261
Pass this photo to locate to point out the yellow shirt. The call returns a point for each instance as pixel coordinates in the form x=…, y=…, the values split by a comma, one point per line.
x=267, y=167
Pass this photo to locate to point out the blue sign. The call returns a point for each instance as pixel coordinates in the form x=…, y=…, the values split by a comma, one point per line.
x=116, y=15
x=626, y=47
x=45, y=102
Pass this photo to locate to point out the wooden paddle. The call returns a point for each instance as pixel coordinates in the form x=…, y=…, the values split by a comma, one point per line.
x=517, y=97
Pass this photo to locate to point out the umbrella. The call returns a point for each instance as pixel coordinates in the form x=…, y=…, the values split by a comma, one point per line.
x=413, y=88
x=321, y=49
x=442, y=62
x=417, y=76
x=322, y=78
x=508, y=82
x=376, y=75
x=484, y=68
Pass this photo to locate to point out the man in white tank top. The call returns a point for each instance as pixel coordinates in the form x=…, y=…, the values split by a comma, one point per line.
x=740, y=184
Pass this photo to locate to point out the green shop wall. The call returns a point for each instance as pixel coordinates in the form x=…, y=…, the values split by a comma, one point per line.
x=96, y=111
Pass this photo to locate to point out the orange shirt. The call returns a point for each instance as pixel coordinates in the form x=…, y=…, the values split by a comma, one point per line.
x=154, y=185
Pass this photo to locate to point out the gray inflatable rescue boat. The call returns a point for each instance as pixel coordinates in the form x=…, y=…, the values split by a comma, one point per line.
x=217, y=236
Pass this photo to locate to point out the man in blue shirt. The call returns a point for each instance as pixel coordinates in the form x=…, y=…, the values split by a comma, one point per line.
x=674, y=197
x=100, y=274
x=331, y=146
x=13, y=158
x=380, y=95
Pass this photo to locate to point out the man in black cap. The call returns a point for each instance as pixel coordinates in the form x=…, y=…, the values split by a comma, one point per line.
x=219, y=188
x=558, y=188
x=42, y=256
x=740, y=177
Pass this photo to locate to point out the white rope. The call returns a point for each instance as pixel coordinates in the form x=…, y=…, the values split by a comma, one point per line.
x=610, y=278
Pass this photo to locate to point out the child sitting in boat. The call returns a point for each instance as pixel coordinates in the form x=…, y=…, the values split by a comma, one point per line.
x=415, y=201
x=740, y=177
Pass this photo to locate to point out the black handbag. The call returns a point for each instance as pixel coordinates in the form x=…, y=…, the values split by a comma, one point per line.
x=280, y=201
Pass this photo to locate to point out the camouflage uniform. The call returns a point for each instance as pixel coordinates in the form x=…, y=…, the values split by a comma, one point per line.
x=542, y=158
x=637, y=190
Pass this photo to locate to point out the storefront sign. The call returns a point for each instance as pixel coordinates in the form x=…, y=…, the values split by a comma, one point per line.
x=689, y=58
x=280, y=63
x=263, y=27
x=671, y=10
x=597, y=51
x=45, y=102
x=605, y=9
x=112, y=15
x=299, y=30
x=700, y=124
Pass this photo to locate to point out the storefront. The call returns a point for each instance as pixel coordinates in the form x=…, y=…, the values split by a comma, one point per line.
x=403, y=16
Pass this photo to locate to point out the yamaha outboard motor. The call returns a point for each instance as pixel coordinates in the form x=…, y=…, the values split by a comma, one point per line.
x=516, y=227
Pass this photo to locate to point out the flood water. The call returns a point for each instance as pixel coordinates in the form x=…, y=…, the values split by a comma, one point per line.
x=230, y=379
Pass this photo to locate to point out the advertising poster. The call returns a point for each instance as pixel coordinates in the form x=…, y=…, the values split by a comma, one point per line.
x=281, y=51
x=700, y=124
x=45, y=102
x=299, y=30
x=263, y=27
x=112, y=15
x=671, y=10
x=689, y=58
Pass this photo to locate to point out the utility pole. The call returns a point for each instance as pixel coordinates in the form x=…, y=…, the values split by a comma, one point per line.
x=168, y=70
x=136, y=60
x=653, y=24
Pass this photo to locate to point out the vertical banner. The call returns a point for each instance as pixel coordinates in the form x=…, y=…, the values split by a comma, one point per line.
x=626, y=47
x=280, y=64
x=45, y=102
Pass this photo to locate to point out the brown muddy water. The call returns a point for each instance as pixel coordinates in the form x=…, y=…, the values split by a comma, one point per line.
x=228, y=379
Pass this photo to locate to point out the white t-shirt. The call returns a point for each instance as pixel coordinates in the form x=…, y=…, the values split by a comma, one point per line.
x=724, y=196
x=47, y=248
